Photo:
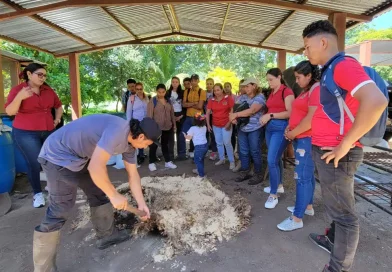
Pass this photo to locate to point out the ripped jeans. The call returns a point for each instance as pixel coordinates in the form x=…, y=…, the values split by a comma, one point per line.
x=303, y=175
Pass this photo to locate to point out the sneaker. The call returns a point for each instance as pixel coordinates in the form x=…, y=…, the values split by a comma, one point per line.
x=220, y=162
x=191, y=155
x=181, y=158
x=152, y=167
x=194, y=171
x=307, y=212
x=268, y=190
x=237, y=168
x=213, y=156
x=39, y=200
x=321, y=241
x=289, y=225
x=170, y=165
x=271, y=202
x=232, y=166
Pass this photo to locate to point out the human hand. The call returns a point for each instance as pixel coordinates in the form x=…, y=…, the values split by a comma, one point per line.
x=290, y=135
x=228, y=126
x=209, y=128
x=119, y=201
x=287, y=129
x=26, y=92
x=234, y=122
x=232, y=116
x=336, y=153
x=144, y=208
x=264, y=119
x=56, y=122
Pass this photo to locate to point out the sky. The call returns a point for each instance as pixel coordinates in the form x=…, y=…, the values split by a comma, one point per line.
x=383, y=21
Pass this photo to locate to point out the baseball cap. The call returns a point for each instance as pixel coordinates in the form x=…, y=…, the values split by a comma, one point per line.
x=151, y=130
x=250, y=80
x=195, y=76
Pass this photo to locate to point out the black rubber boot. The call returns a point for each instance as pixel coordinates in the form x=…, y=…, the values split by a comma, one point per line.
x=256, y=179
x=103, y=220
x=45, y=246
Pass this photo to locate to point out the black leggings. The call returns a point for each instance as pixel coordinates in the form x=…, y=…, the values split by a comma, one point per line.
x=167, y=143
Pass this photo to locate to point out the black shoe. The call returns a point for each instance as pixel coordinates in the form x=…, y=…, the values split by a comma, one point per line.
x=140, y=160
x=256, y=179
x=321, y=241
x=243, y=178
x=181, y=158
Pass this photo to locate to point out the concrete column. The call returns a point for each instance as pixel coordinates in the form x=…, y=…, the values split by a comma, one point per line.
x=74, y=79
x=339, y=22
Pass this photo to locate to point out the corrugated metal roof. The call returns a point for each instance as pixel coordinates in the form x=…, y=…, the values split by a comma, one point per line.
x=246, y=22
x=18, y=57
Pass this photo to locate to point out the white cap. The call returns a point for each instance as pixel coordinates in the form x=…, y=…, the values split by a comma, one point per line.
x=250, y=80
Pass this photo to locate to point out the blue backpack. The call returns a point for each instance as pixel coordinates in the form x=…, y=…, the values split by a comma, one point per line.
x=155, y=101
x=376, y=133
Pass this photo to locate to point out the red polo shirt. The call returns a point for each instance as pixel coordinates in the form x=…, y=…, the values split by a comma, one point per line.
x=35, y=112
x=275, y=102
x=220, y=110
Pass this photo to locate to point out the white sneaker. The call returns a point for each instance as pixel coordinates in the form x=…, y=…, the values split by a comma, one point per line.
x=271, y=202
x=170, y=165
x=289, y=224
x=232, y=165
x=152, y=167
x=268, y=190
x=307, y=212
x=194, y=171
x=191, y=155
x=213, y=156
x=38, y=200
x=220, y=162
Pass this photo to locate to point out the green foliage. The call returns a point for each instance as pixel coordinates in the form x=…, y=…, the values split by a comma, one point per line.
x=221, y=76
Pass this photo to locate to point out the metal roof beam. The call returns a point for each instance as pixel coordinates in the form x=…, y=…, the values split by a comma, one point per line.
x=83, y=3
x=224, y=20
x=5, y=38
x=46, y=22
x=119, y=23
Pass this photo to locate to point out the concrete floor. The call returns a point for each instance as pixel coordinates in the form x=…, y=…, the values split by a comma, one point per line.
x=262, y=247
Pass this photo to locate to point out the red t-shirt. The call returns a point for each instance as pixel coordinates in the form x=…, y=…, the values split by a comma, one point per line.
x=35, y=112
x=349, y=75
x=220, y=110
x=300, y=108
x=275, y=102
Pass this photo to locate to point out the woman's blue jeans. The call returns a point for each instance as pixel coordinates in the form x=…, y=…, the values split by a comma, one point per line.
x=223, y=140
x=250, y=146
x=276, y=143
x=303, y=175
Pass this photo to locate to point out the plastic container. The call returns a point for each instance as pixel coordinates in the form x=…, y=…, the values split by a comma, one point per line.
x=20, y=162
x=7, y=163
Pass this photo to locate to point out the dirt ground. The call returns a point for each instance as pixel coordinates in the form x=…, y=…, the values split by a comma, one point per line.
x=262, y=247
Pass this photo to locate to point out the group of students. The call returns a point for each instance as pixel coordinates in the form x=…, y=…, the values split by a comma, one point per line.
x=324, y=136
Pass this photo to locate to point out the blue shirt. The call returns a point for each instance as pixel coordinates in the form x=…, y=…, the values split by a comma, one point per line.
x=254, y=120
x=73, y=145
x=138, y=106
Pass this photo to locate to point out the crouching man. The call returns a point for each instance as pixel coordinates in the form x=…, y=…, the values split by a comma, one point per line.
x=76, y=156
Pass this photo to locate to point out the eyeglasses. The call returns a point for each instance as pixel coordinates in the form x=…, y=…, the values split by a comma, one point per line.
x=139, y=89
x=41, y=75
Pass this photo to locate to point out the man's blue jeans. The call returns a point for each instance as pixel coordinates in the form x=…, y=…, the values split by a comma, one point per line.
x=29, y=143
x=276, y=143
x=250, y=146
x=200, y=153
x=303, y=174
x=223, y=139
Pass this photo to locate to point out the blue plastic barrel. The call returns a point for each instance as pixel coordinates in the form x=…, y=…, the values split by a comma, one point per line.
x=7, y=163
x=20, y=162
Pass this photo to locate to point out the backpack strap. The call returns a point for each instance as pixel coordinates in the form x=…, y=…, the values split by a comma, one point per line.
x=154, y=101
x=132, y=99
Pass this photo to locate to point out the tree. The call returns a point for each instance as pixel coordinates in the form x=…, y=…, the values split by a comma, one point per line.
x=222, y=75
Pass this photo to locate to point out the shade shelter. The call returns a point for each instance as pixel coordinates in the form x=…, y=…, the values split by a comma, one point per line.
x=67, y=28
x=372, y=53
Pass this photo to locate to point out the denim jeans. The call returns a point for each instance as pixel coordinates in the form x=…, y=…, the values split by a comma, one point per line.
x=223, y=140
x=200, y=153
x=304, y=175
x=250, y=146
x=276, y=143
x=62, y=187
x=29, y=143
x=337, y=189
x=188, y=122
x=181, y=144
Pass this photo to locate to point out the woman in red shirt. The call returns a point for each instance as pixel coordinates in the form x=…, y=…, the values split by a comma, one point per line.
x=299, y=131
x=221, y=105
x=31, y=102
x=276, y=120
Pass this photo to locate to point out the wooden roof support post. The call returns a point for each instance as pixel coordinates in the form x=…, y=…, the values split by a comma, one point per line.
x=339, y=22
x=365, y=53
x=282, y=60
x=2, y=99
x=74, y=80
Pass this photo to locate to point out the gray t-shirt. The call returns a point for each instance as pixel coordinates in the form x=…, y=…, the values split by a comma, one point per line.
x=254, y=122
x=73, y=145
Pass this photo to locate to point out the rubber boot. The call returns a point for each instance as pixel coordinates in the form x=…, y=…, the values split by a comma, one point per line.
x=102, y=218
x=45, y=246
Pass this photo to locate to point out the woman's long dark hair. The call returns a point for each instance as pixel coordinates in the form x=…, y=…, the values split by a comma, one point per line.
x=305, y=68
x=276, y=72
x=179, y=90
x=32, y=67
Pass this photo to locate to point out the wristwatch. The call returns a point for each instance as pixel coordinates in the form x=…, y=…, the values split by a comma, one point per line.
x=271, y=115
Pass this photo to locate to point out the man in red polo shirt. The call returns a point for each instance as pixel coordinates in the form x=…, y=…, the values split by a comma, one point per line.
x=338, y=155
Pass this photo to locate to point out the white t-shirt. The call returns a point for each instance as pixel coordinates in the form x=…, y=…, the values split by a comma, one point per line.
x=198, y=135
x=177, y=107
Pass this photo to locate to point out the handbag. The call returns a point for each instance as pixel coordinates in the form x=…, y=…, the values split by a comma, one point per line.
x=241, y=121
